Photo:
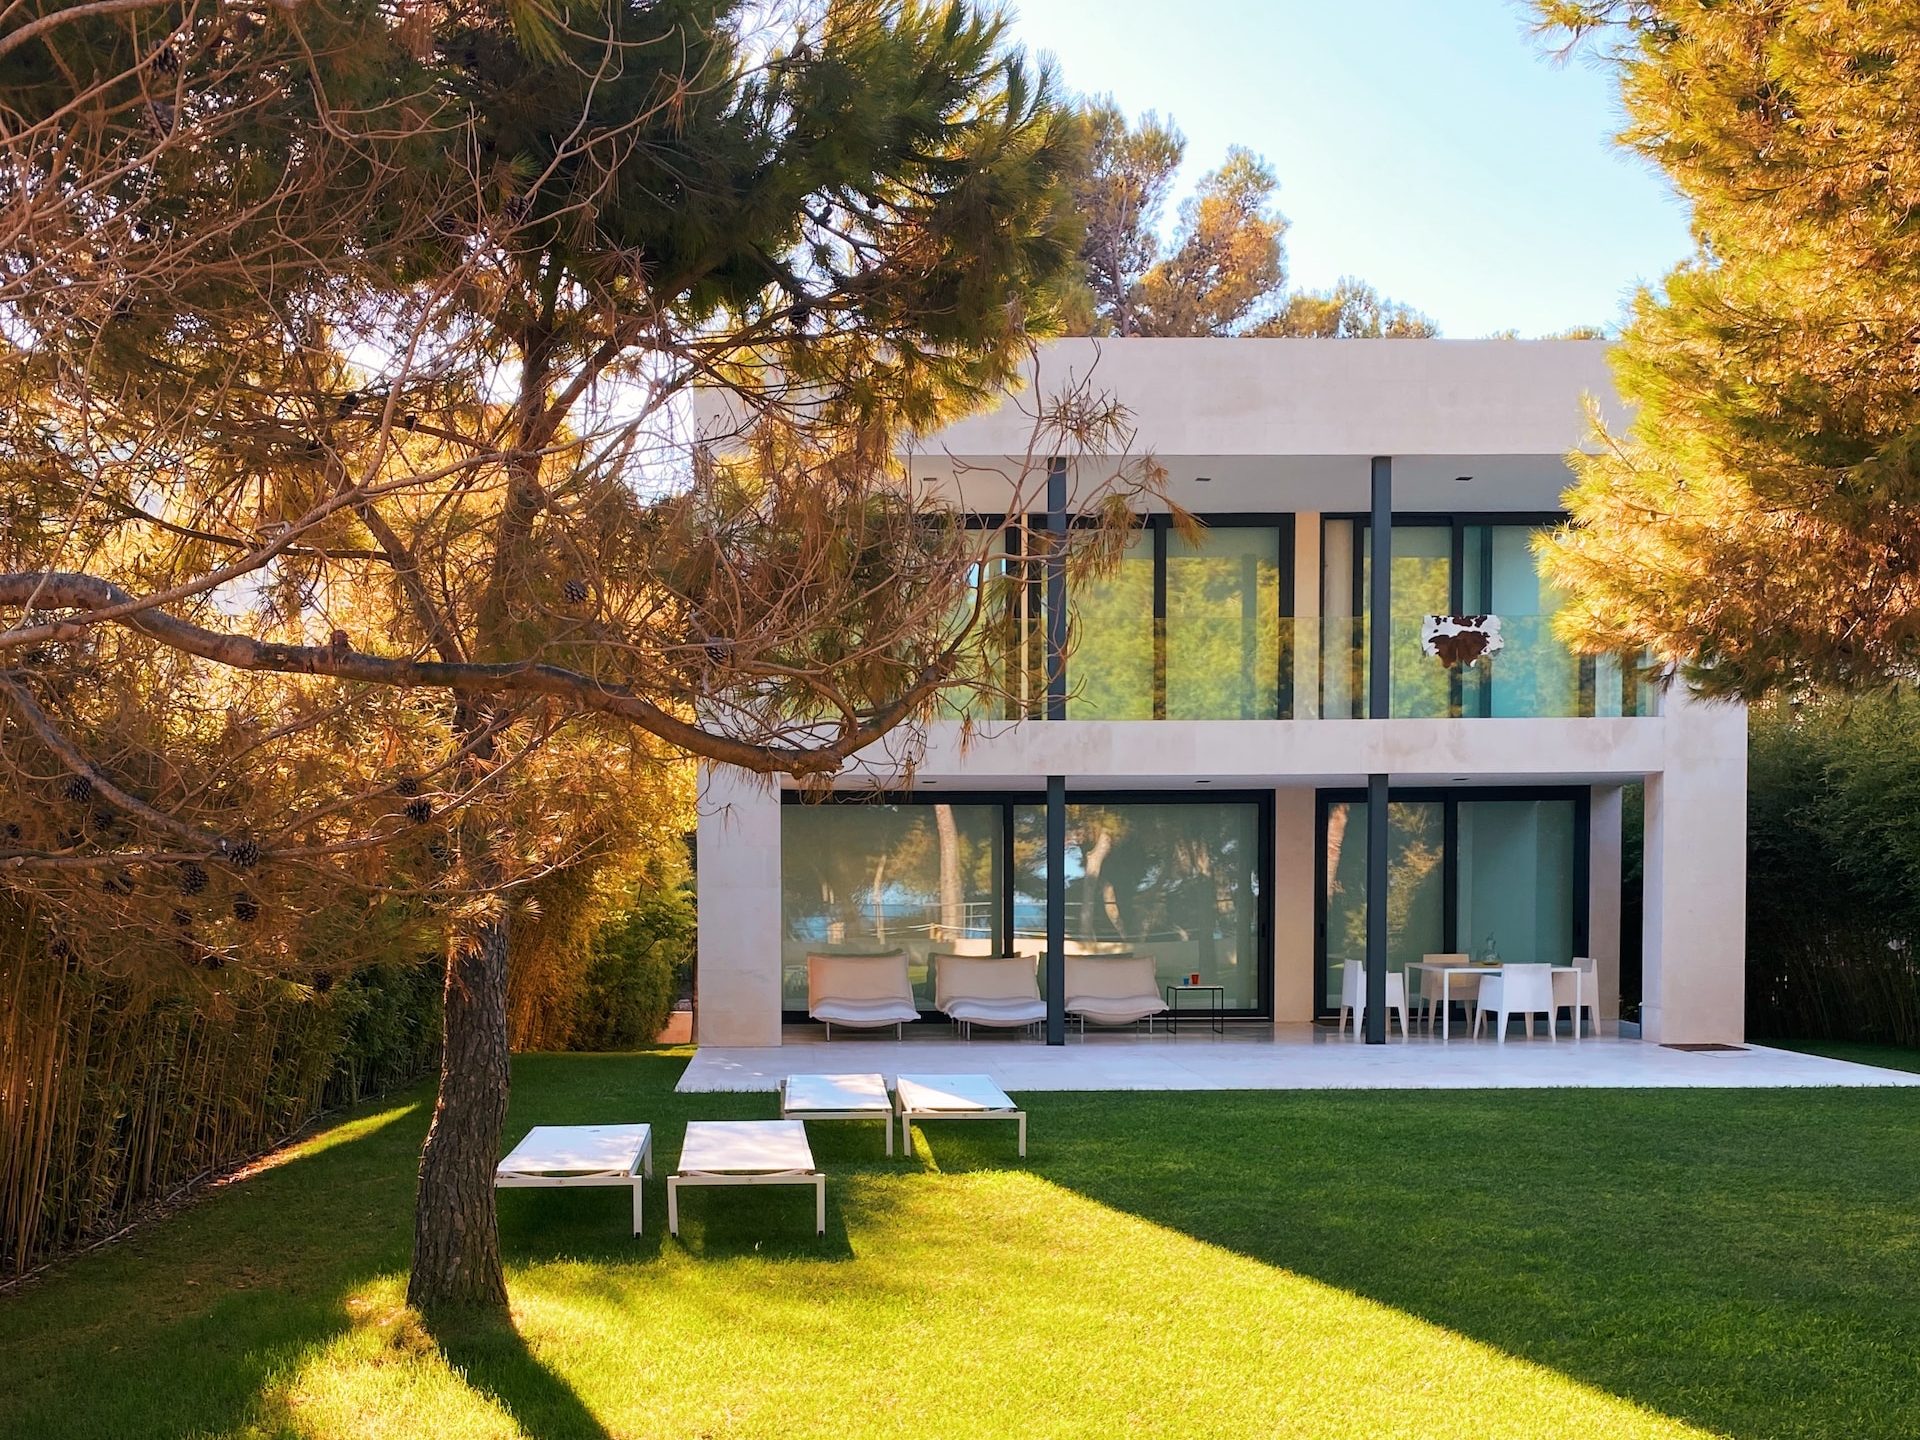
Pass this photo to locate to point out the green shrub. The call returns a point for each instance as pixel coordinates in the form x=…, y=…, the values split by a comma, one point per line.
x=1833, y=870
x=640, y=960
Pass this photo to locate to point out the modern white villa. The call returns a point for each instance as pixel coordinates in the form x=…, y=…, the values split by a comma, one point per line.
x=1226, y=771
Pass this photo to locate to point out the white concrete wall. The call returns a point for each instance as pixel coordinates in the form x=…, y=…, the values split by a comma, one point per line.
x=737, y=995
x=1318, y=397
x=1693, y=963
x=1306, y=610
x=1604, y=864
x=1258, y=754
x=1293, y=904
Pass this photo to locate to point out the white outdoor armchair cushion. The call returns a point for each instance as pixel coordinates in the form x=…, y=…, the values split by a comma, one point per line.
x=1523, y=990
x=1000, y=990
x=1113, y=989
x=860, y=991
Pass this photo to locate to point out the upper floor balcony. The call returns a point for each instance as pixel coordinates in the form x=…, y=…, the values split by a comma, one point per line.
x=1266, y=618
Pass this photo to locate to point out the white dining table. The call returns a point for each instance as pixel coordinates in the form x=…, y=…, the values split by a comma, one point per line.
x=1446, y=974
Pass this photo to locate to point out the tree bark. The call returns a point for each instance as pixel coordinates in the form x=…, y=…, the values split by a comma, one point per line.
x=456, y=1242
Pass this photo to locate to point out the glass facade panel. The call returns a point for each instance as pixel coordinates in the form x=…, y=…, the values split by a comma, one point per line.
x=1422, y=585
x=1534, y=674
x=1509, y=866
x=1111, y=638
x=1516, y=880
x=1416, y=885
x=1223, y=625
x=858, y=879
x=1178, y=881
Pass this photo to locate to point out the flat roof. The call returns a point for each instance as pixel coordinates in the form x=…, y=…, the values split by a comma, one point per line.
x=1245, y=397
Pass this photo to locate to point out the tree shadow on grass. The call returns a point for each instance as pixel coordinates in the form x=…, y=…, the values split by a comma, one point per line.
x=179, y=1328
x=1738, y=1260
x=493, y=1359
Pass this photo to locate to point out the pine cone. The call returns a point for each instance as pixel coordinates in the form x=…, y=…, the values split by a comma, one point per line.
x=576, y=592
x=322, y=982
x=407, y=785
x=77, y=788
x=419, y=811
x=246, y=909
x=243, y=854
x=193, y=877
x=183, y=918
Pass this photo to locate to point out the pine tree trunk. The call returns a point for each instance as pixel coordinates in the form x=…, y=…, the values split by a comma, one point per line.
x=456, y=1242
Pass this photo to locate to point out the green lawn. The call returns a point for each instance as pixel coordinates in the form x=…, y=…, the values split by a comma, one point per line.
x=1519, y=1263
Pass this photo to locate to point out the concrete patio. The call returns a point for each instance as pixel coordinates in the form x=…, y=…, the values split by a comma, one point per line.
x=1276, y=1057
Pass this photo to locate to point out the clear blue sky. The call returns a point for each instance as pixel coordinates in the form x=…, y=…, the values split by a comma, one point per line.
x=1427, y=146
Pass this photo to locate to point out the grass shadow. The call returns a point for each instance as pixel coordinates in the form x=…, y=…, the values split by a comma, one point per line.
x=1740, y=1260
x=491, y=1356
x=231, y=1291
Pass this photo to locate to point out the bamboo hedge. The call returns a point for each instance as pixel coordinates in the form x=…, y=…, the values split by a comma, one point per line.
x=114, y=1098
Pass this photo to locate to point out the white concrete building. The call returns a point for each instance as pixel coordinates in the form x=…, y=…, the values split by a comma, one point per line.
x=1214, y=737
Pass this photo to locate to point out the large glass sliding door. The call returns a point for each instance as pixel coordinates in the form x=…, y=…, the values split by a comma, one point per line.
x=1181, y=882
x=1179, y=879
x=864, y=878
x=1416, y=885
x=1515, y=882
x=1493, y=873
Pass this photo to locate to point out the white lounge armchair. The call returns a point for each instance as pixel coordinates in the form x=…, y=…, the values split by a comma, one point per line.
x=1523, y=990
x=861, y=992
x=1353, y=998
x=1113, y=990
x=1001, y=991
x=1576, y=992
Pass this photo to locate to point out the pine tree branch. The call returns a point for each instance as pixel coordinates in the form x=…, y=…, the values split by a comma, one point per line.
x=68, y=590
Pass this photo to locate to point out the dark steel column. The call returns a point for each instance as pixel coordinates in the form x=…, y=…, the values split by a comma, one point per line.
x=1056, y=910
x=1379, y=707
x=1056, y=588
x=1376, y=1026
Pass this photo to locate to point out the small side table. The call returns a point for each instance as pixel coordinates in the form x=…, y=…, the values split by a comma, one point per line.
x=1216, y=1005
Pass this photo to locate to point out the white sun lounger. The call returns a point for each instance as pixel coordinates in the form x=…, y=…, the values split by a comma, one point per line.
x=953, y=1097
x=838, y=1097
x=747, y=1152
x=566, y=1155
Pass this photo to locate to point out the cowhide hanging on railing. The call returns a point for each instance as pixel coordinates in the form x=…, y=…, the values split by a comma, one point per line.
x=1461, y=639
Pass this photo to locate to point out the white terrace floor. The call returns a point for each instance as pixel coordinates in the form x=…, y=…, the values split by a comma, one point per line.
x=1273, y=1057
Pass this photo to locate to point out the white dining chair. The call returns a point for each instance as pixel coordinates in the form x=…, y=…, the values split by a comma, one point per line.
x=1576, y=992
x=1353, y=998
x=1523, y=990
x=1462, y=989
